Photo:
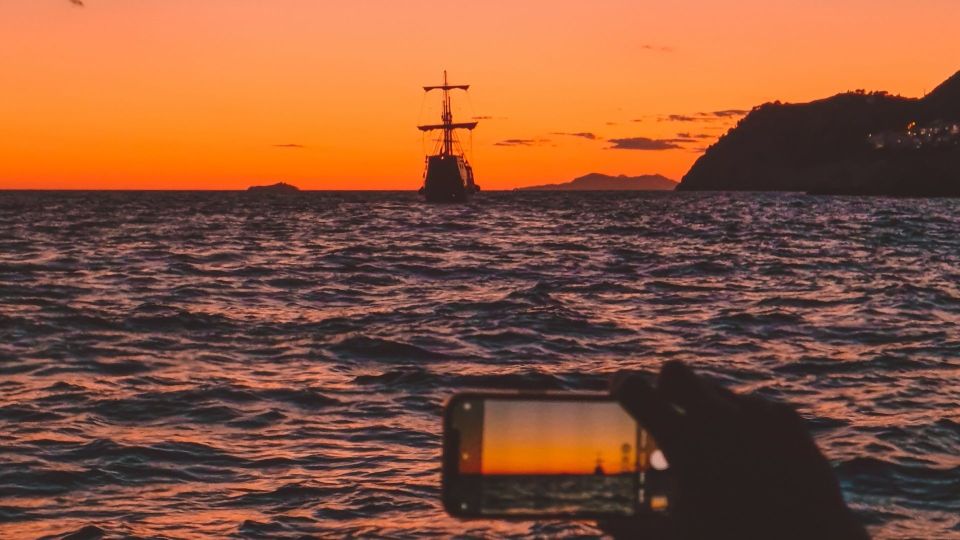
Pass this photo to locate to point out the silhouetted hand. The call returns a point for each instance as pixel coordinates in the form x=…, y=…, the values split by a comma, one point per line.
x=746, y=468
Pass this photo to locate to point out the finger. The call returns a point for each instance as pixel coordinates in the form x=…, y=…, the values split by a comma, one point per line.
x=781, y=423
x=700, y=399
x=651, y=411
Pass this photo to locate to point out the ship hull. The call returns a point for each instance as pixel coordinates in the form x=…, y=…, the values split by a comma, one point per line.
x=448, y=179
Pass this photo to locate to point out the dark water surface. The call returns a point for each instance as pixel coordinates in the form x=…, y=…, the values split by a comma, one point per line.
x=193, y=365
x=558, y=494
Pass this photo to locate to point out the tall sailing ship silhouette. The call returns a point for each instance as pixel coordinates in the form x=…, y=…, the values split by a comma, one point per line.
x=449, y=177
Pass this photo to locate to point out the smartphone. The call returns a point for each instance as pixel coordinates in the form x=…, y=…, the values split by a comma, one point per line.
x=549, y=455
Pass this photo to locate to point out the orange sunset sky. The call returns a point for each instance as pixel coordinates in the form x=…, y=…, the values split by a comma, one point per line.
x=555, y=437
x=325, y=94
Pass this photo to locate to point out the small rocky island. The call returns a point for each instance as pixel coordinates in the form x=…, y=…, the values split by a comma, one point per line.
x=603, y=182
x=280, y=188
x=856, y=143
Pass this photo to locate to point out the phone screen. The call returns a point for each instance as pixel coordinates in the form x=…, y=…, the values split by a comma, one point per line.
x=562, y=456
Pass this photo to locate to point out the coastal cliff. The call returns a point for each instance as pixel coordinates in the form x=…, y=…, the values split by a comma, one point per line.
x=853, y=143
x=603, y=182
x=280, y=188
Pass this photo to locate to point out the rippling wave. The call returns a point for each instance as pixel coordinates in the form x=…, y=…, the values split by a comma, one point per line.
x=193, y=365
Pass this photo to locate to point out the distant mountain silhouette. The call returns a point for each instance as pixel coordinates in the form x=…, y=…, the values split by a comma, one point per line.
x=278, y=188
x=603, y=182
x=853, y=143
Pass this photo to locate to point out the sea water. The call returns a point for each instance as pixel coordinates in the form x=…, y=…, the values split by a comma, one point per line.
x=197, y=364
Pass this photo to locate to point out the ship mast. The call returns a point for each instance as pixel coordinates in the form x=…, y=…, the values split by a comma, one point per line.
x=446, y=116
